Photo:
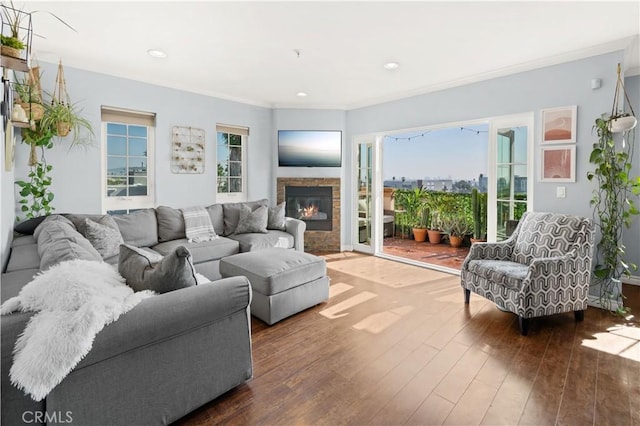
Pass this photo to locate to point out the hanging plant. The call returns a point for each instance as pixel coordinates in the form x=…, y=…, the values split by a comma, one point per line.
x=35, y=192
x=63, y=117
x=29, y=94
x=612, y=203
x=58, y=114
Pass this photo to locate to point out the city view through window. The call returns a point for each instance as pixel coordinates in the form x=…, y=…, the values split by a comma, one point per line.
x=451, y=160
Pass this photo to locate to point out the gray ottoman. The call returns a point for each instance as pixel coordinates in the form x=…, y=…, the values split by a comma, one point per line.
x=284, y=282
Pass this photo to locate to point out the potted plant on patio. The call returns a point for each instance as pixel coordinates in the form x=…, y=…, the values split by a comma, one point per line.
x=435, y=228
x=413, y=203
x=420, y=228
x=457, y=227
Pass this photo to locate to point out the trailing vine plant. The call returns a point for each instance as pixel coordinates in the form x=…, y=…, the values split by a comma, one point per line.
x=35, y=193
x=613, y=208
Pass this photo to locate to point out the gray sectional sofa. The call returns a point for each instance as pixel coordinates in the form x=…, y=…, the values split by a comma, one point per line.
x=171, y=353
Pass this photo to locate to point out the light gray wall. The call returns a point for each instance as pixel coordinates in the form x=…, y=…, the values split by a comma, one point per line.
x=632, y=235
x=77, y=172
x=554, y=86
x=312, y=119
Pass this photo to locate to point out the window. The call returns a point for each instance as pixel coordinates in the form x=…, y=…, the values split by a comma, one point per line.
x=231, y=163
x=127, y=147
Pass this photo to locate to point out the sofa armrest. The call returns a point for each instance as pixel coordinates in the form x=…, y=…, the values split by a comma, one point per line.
x=296, y=227
x=563, y=271
x=497, y=251
x=170, y=314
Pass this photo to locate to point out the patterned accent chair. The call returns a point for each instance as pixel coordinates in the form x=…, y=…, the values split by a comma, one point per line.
x=544, y=267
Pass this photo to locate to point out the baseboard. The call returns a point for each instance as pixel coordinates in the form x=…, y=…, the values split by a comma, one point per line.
x=632, y=280
x=594, y=301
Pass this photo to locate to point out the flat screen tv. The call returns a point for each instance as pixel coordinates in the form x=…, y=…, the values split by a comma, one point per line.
x=309, y=148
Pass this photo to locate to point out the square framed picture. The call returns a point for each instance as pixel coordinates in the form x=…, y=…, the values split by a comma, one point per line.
x=559, y=124
x=558, y=164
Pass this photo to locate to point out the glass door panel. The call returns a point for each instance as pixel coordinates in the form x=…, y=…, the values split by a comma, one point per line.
x=512, y=176
x=511, y=184
x=365, y=194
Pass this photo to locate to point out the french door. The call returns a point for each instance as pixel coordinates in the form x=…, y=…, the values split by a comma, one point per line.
x=511, y=176
x=367, y=223
x=510, y=180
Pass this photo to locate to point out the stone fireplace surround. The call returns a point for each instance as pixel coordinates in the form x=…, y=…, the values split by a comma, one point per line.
x=317, y=241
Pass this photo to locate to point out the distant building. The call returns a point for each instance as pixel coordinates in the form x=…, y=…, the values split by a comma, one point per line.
x=483, y=182
x=398, y=184
x=520, y=184
x=438, y=184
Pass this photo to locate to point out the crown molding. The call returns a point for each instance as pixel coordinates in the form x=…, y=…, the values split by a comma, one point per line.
x=612, y=46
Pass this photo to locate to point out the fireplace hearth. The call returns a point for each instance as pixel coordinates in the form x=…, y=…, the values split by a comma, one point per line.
x=312, y=204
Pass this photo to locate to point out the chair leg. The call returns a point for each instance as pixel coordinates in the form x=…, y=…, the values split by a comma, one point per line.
x=579, y=315
x=467, y=295
x=524, y=325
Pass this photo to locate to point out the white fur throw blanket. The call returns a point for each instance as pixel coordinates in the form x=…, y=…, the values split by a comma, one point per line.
x=74, y=300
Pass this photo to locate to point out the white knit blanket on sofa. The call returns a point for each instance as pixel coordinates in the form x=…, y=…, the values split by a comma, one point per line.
x=74, y=300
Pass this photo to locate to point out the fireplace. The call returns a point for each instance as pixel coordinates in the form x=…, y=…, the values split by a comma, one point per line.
x=313, y=204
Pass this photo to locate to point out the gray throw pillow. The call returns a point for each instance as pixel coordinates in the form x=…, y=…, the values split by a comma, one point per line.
x=231, y=213
x=139, y=228
x=104, y=236
x=173, y=272
x=52, y=218
x=58, y=241
x=78, y=221
x=252, y=221
x=276, y=217
x=170, y=224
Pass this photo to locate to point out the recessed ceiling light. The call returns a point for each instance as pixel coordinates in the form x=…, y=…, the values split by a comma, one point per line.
x=157, y=53
x=301, y=94
x=391, y=65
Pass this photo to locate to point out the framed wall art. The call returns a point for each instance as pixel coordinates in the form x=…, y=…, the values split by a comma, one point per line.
x=559, y=124
x=187, y=155
x=558, y=163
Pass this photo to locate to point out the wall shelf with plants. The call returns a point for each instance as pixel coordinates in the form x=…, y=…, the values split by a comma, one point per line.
x=16, y=37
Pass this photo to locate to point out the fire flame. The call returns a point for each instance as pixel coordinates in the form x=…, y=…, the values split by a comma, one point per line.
x=309, y=211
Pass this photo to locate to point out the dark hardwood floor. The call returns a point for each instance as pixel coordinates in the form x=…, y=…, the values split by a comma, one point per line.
x=396, y=345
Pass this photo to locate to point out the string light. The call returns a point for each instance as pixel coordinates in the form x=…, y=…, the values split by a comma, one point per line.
x=408, y=138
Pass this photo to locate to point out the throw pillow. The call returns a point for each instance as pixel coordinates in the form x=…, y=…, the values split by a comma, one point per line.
x=49, y=219
x=170, y=224
x=173, y=272
x=276, y=217
x=58, y=241
x=78, y=221
x=139, y=228
x=252, y=221
x=27, y=226
x=105, y=238
x=231, y=213
x=197, y=224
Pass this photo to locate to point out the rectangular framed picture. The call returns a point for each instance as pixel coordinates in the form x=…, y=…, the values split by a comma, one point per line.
x=559, y=124
x=558, y=164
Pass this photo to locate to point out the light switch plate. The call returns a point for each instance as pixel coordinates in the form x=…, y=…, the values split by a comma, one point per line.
x=561, y=191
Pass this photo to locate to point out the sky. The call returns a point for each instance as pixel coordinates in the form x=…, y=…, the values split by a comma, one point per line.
x=442, y=153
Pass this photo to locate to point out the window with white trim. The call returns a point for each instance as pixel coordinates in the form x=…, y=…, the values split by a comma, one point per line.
x=231, y=145
x=128, y=139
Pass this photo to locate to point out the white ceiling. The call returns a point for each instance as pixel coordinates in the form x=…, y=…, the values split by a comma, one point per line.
x=245, y=50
